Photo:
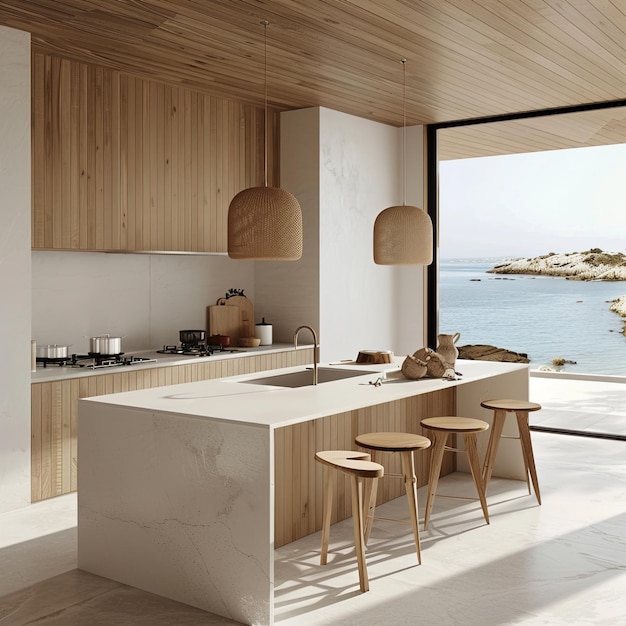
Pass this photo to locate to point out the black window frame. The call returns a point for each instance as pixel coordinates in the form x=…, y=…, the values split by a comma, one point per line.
x=432, y=191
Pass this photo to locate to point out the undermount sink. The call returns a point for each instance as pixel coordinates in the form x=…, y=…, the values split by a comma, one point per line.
x=305, y=377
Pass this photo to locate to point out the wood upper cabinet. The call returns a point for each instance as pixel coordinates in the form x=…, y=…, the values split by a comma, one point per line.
x=129, y=164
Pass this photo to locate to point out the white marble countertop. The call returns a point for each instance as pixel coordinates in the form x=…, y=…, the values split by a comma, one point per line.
x=56, y=372
x=235, y=400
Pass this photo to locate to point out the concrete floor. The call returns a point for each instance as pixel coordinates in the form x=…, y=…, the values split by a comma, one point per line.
x=592, y=405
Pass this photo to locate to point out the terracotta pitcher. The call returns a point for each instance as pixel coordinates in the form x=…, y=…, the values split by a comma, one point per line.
x=446, y=348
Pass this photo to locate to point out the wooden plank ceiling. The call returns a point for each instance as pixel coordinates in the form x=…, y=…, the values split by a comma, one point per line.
x=465, y=58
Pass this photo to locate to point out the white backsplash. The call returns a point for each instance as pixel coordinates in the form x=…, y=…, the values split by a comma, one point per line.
x=144, y=298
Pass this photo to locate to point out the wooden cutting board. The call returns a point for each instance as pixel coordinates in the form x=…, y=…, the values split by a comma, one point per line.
x=246, y=310
x=224, y=320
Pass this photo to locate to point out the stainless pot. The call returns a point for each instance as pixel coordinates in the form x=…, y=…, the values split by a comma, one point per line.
x=52, y=352
x=105, y=344
x=191, y=337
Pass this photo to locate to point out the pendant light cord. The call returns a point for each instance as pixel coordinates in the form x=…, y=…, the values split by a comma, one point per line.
x=265, y=24
x=403, y=61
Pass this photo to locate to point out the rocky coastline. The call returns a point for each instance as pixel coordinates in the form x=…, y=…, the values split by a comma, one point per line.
x=591, y=265
x=619, y=306
x=594, y=264
x=485, y=352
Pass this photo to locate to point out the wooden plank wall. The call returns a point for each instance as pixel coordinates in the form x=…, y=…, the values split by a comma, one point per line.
x=54, y=409
x=130, y=164
x=299, y=478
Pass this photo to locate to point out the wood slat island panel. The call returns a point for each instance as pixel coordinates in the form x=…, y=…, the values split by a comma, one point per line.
x=299, y=479
x=54, y=408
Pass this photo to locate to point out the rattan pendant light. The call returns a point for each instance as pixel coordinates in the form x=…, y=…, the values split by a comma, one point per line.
x=403, y=235
x=265, y=223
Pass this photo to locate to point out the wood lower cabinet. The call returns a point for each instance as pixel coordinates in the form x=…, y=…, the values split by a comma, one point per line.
x=54, y=409
x=299, y=479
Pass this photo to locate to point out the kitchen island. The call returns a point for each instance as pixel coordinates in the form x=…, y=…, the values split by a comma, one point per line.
x=185, y=491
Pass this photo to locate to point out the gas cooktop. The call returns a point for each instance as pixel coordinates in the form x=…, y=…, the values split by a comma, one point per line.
x=94, y=361
x=196, y=350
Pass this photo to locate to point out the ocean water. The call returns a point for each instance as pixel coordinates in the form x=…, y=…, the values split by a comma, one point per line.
x=541, y=316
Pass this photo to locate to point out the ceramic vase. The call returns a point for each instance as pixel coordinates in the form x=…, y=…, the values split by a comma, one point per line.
x=446, y=348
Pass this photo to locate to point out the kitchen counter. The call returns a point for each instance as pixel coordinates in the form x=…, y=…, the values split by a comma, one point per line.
x=182, y=488
x=234, y=399
x=55, y=392
x=55, y=372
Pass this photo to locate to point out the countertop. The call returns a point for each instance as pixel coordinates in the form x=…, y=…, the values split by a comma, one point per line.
x=235, y=400
x=56, y=372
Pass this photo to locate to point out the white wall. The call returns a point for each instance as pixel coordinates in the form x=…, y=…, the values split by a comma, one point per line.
x=361, y=174
x=144, y=298
x=15, y=269
x=409, y=292
x=288, y=291
x=344, y=170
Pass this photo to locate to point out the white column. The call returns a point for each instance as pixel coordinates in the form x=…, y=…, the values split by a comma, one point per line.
x=344, y=170
x=15, y=269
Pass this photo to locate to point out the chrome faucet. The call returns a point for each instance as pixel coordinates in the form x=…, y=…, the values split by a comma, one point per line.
x=316, y=355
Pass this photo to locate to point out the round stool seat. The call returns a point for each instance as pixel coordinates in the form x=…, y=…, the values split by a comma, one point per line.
x=521, y=408
x=404, y=444
x=442, y=428
x=455, y=424
x=392, y=442
x=510, y=405
x=351, y=462
x=359, y=467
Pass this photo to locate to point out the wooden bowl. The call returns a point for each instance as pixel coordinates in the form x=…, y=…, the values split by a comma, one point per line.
x=249, y=342
x=374, y=357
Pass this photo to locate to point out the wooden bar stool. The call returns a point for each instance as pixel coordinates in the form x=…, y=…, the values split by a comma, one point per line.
x=521, y=408
x=406, y=444
x=358, y=466
x=441, y=427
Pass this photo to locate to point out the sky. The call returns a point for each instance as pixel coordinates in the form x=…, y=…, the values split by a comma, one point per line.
x=526, y=205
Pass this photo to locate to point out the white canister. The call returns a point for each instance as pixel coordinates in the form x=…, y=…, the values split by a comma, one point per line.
x=263, y=331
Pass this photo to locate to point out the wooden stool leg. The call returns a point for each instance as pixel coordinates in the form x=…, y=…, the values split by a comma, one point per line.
x=474, y=463
x=527, y=449
x=410, y=484
x=492, y=446
x=526, y=468
x=369, y=506
x=326, y=515
x=359, y=541
x=436, y=459
x=369, y=502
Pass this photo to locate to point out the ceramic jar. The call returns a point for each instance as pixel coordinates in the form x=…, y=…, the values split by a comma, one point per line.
x=446, y=348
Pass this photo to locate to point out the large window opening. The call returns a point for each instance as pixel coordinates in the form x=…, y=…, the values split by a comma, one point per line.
x=559, y=211
x=549, y=192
